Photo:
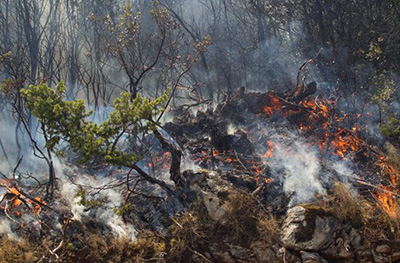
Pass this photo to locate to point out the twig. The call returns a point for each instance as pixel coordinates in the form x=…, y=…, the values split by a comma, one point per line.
x=377, y=187
x=16, y=167
x=260, y=204
x=258, y=189
x=18, y=164
x=237, y=157
x=9, y=217
x=199, y=254
x=5, y=153
x=188, y=106
x=284, y=255
x=57, y=248
x=28, y=176
x=176, y=222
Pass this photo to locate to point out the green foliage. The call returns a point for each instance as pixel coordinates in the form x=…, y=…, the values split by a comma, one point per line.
x=384, y=93
x=10, y=88
x=84, y=201
x=67, y=120
x=375, y=51
x=391, y=128
x=60, y=118
x=126, y=28
x=70, y=246
x=4, y=56
x=122, y=210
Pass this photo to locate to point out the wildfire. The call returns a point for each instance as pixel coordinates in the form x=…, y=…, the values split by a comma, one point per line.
x=388, y=170
x=322, y=122
x=386, y=201
x=18, y=199
x=36, y=207
x=269, y=152
x=161, y=161
x=274, y=105
x=344, y=143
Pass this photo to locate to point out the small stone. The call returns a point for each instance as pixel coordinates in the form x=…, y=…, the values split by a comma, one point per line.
x=364, y=255
x=240, y=252
x=383, y=249
x=395, y=256
x=355, y=238
x=309, y=257
x=308, y=228
x=264, y=253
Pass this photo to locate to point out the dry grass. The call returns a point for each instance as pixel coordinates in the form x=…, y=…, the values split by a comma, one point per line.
x=364, y=214
x=242, y=218
x=117, y=250
x=269, y=229
x=194, y=232
x=188, y=234
x=347, y=206
x=12, y=251
x=393, y=156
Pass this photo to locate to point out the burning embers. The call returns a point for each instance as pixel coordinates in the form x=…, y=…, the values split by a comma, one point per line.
x=387, y=196
x=14, y=202
x=270, y=151
x=387, y=201
x=290, y=138
x=317, y=118
x=274, y=105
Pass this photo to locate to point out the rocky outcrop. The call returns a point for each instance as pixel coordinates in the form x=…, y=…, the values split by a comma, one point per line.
x=308, y=228
x=311, y=234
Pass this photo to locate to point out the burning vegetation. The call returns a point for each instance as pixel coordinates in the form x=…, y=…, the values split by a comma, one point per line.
x=226, y=184
x=286, y=168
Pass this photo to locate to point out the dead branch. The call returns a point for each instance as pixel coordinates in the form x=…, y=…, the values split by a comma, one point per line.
x=6, y=213
x=4, y=176
x=258, y=189
x=53, y=252
x=377, y=187
x=176, y=154
x=237, y=157
x=304, y=66
x=152, y=180
x=199, y=254
x=16, y=167
x=295, y=105
x=5, y=153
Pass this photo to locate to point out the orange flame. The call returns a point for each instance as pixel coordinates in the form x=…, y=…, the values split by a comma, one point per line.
x=270, y=151
x=214, y=153
x=387, y=169
x=387, y=202
x=274, y=105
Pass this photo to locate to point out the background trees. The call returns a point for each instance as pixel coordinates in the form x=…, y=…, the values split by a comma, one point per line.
x=102, y=47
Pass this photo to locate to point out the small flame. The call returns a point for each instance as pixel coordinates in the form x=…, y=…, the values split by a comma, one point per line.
x=387, y=201
x=274, y=105
x=388, y=170
x=270, y=151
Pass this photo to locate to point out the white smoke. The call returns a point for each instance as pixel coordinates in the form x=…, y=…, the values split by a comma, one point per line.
x=299, y=167
x=5, y=229
x=105, y=211
x=344, y=172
